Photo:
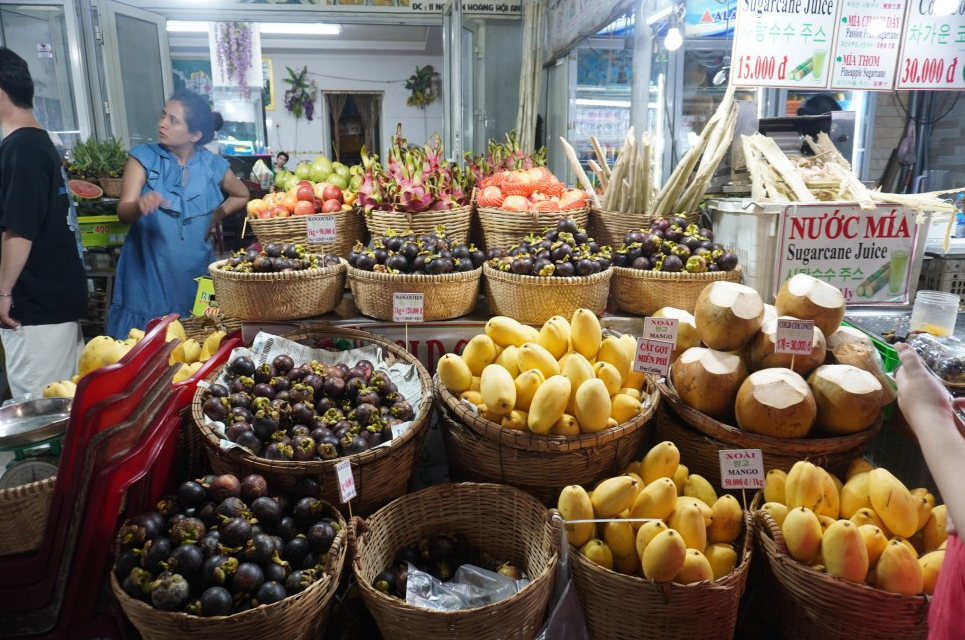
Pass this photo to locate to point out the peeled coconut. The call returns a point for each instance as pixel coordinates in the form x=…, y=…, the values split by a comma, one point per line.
x=687, y=335
x=761, y=355
x=848, y=335
x=770, y=312
x=807, y=298
x=775, y=402
x=848, y=398
x=708, y=380
x=728, y=315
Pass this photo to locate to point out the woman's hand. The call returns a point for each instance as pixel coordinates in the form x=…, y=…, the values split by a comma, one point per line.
x=216, y=218
x=150, y=202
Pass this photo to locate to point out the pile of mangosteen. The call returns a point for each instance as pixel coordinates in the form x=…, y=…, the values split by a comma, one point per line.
x=563, y=252
x=312, y=411
x=406, y=252
x=277, y=258
x=220, y=545
x=672, y=245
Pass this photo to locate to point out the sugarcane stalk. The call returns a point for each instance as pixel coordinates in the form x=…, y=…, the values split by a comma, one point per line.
x=600, y=175
x=600, y=156
x=647, y=185
x=580, y=173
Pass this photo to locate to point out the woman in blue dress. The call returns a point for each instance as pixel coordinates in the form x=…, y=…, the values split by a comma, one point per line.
x=175, y=194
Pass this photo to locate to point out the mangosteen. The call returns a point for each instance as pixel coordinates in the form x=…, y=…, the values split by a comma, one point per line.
x=543, y=268
x=333, y=387
x=223, y=487
x=303, y=448
x=353, y=386
x=365, y=414
x=681, y=251
x=279, y=451
x=215, y=601
x=298, y=581
x=352, y=445
x=250, y=440
x=248, y=577
x=231, y=507
x=263, y=390
x=136, y=585
x=236, y=429
x=620, y=259
x=126, y=560
x=217, y=569
x=242, y=366
x=186, y=560
x=295, y=550
x=276, y=570
x=604, y=261
x=641, y=263
x=564, y=269
x=320, y=536
x=156, y=551
x=301, y=392
x=298, y=430
x=522, y=265
x=169, y=591
x=727, y=261
x=584, y=267
x=287, y=528
x=317, y=434
x=269, y=593
x=139, y=529
x=208, y=514
x=673, y=234
x=302, y=412
x=561, y=251
x=266, y=510
x=397, y=262
x=651, y=244
x=239, y=400
x=240, y=414
x=266, y=423
x=567, y=225
x=402, y=410
x=308, y=511
x=215, y=408
x=328, y=449
x=672, y=264
x=235, y=532
x=187, y=531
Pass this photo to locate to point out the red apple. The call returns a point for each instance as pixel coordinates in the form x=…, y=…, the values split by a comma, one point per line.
x=317, y=203
x=306, y=183
x=278, y=211
x=305, y=193
x=320, y=189
x=332, y=192
x=331, y=206
x=304, y=208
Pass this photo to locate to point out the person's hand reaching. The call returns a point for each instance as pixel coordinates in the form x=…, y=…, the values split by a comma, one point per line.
x=149, y=202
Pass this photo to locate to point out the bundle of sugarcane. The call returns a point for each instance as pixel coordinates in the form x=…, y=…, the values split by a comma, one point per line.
x=628, y=187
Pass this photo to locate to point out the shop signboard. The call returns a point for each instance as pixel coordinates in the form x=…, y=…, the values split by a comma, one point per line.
x=933, y=47
x=867, y=46
x=710, y=18
x=496, y=8
x=867, y=254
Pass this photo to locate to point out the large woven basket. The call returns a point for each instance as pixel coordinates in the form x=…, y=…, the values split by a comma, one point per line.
x=446, y=296
x=609, y=227
x=381, y=474
x=23, y=515
x=200, y=327
x=483, y=451
x=803, y=603
x=278, y=296
x=456, y=221
x=620, y=606
x=699, y=437
x=294, y=229
x=536, y=299
x=499, y=520
x=502, y=229
x=302, y=616
x=643, y=292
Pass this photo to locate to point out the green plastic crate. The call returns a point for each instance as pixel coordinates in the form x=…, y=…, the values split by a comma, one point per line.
x=102, y=231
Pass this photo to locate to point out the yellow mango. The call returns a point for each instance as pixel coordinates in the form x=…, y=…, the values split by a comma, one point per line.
x=475, y=384
x=635, y=379
x=596, y=551
x=208, y=348
x=777, y=511
x=722, y=559
x=827, y=522
x=554, y=336
x=577, y=370
x=633, y=393
x=567, y=425
x=660, y=462
x=138, y=334
x=508, y=359
x=774, y=481
x=803, y=487
x=898, y=570
x=854, y=495
x=479, y=353
x=728, y=520
x=706, y=511
x=609, y=375
x=874, y=541
x=548, y=404
x=856, y=466
x=176, y=330
x=829, y=505
x=498, y=389
x=192, y=350
x=699, y=487
x=802, y=534
x=574, y=504
x=532, y=356
x=472, y=396
x=647, y=532
x=624, y=408
x=931, y=565
x=454, y=373
x=868, y=516
x=664, y=556
x=933, y=534
x=621, y=538
x=696, y=569
x=924, y=502
x=688, y=521
x=613, y=495
x=893, y=503
x=592, y=406
x=612, y=351
x=844, y=551
x=585, y=333
x=506, y=331
x=515, y=420
x=680, y=477
x=526, y=385
x=656, y=500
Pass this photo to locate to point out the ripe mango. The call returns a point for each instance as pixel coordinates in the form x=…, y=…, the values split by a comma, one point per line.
x=592, y=406
x=208, y=348
x=472, y=396
x=596, y=551
x=664, y=556
x=554, y=336
x=506, y=331
x=868, y=516
x=508, y=359
x=498, y=390
x=656, y=500
x=454, y=373
x=577, y=370
x=898, y=570
x=175, y=330
x=633, y=393
x=647, y=532
x=515, y=420
x=933, y=534
x=804, y=486
x=621, y=538
x=854, y=495
x=874, y=541
x=567, y=425
x=548, y=404
x=728, y=520
x=802, y=533
x=62, y=389
x=777, y=511
x=856, y=466
x=660, y=462
x=574, y=504
x=699, y=487
x=532, y=356
x=830, y=502
x=722, y=559
x=475, y=384
x=609, y=375
x=688, y=521
x=893, y=503
x=696, y=569
x=774, y=482
x=479, y=353
x=931, y=565
x=630, y=344
x=826, y=522
x=925, y=502
x=613, y=495
x=614, y=352
x=138, y=334
x=526, y=385
x=844, y=551
x=635, y=379
x=585, y=333
x=680, y=477
x=192, y=351
x=705, y=511
x=624, y=408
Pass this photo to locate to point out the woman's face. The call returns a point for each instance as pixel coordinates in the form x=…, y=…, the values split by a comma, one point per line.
x=172, y=130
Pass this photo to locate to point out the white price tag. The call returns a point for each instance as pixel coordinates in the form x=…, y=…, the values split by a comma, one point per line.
x=653, y=356
x=320, y=229
x=794, y=336
x=660, y=329
x=408, y=307
x=398, y=430
x=741, y=469
x=346, y=481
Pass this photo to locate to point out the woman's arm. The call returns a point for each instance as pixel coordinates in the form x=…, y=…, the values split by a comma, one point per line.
x=132, y=204
x=237, y=198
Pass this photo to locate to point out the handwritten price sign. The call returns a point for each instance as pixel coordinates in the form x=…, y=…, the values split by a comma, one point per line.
x=320, y=229
x=653, y=356
x=408, y=307
x=741, y=469
x=346, y=481
x=932, y=55
x=794, y=336
x=660, y=329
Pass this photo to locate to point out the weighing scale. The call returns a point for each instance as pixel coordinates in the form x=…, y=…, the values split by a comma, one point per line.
x=33, y=431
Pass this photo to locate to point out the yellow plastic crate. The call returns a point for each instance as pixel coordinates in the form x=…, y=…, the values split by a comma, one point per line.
x=102, y=231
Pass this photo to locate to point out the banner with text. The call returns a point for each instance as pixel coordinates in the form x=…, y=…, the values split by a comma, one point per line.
x=172, y=8
x=933, y=48
x=867, y=44
x=868, y=255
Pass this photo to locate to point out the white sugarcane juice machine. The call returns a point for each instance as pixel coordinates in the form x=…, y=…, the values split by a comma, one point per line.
x=33, y=432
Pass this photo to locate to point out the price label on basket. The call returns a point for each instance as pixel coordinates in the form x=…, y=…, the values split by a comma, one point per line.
x=794, y=336
x=653, y=356
x=320, y=229
x=660, y=329
x=408, y=307
x=741, y=469
x=346, y=481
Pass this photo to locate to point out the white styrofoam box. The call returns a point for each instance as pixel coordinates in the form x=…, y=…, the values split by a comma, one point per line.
x=750, y=230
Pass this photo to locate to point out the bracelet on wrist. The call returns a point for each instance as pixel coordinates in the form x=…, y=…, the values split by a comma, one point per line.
x=6, y=295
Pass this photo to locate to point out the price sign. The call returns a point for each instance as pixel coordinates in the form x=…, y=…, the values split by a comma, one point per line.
x=794, y=336
x=320, y=229
x=408, y=307
x=933, y=48
x=867, y=46
x=660, y=329
x=653, y=356
x=741, y=469
x=346, y=481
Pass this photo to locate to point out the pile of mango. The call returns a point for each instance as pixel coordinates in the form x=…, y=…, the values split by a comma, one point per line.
x=691, y=535
x=563, y=379
x=869, y=529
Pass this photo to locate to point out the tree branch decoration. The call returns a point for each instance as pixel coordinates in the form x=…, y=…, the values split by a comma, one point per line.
x=424, y=85
x=233, y=41
x=300, y=96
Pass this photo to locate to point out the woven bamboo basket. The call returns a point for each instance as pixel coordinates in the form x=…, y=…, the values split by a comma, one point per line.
x=278, y=296
x=500, y=520
x=445, y=296
x=303, y=616
x=111, y=186
x=643, y=292
x=804, y=603
x=609, y=227
x=483, y=451
x=23, y=515
x=456, y=221
x=536, y=299
x=502, y=229
x=294, y=230
x=381, y=474
x=661, y=609
x=699, y=437
x=200, y=327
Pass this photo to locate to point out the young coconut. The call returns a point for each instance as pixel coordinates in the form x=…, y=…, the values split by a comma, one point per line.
x=848, y=335
x=687, y=335
x=775, y=402
x=808, y=298
x=708, y=380
x=770, y=312
x=761, y=354
x=728, y=315
x=848, y=398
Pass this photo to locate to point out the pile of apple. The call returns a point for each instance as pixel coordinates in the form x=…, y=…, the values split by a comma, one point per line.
x=304, y=198
x=535, y=189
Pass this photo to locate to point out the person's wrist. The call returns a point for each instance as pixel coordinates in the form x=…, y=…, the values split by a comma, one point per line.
x=6, y=295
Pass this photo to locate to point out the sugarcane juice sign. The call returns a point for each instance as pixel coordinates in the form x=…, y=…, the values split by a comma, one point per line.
x=933, y=49
x=868, y=43
x=784, y=43
x=867, y=254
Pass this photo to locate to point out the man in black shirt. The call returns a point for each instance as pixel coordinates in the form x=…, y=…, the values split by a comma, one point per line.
x=43, y=289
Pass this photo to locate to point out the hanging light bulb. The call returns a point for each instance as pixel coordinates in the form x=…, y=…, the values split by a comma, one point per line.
x=674, y=39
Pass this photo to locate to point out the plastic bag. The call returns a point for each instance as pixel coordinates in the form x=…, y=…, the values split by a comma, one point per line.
x=470, y=587
x=944, y=356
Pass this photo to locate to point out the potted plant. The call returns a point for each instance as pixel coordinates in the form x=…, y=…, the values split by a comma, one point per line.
x=102, y=161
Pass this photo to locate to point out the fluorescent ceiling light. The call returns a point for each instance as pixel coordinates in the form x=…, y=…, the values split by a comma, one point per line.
x=187, y=26
x=654, y=18
x=300, y=29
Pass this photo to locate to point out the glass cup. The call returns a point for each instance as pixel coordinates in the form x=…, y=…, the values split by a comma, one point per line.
x=935, y=312
x=896, y=274
x=819, y=56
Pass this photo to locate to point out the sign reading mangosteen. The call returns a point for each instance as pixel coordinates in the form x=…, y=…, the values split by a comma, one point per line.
x=320, y=229
x=346, y=481
x=660, y=329
x=866, y=253
x=408, y=307
x=794, y=336
x=653, y=356
x=741, y=469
